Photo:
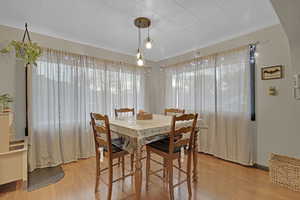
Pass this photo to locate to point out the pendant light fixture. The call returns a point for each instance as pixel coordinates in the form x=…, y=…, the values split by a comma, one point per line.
x=139, y=55
x=142, y=22
x=148, y=43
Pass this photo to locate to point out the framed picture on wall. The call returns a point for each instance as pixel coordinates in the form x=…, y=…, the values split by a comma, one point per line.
x=273, y=72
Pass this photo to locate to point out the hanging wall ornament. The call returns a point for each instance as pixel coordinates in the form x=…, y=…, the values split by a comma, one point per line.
x=28, y=51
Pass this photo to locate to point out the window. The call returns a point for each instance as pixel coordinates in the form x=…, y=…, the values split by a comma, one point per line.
x=70, y=87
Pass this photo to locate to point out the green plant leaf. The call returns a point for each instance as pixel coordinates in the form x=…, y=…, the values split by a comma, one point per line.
x=28, y=52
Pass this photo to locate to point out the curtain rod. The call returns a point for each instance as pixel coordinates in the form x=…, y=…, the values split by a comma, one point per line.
x=210, y=55
x=93, y=57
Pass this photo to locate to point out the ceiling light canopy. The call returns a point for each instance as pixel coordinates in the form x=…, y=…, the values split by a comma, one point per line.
x=142, y=22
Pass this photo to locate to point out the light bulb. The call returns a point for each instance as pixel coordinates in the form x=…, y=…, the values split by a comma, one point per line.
x=140, y=62
x=148, y=43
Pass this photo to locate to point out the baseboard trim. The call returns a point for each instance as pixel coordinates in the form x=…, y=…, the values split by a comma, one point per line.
x=261, y=167
x=257, y=166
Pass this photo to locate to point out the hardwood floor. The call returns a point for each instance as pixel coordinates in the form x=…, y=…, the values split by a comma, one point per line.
x=217, y=180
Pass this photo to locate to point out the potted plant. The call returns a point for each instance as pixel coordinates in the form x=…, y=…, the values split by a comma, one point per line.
x=5, y=99
x=27, y=51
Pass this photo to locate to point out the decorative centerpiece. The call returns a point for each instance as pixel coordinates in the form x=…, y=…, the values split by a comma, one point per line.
x=142, y=115
x=5, y=99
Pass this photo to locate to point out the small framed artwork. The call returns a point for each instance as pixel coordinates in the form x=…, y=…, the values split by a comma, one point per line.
x=273, y=72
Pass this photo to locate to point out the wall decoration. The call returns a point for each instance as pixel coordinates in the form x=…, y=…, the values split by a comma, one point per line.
x=27, y=51
x=273, y=72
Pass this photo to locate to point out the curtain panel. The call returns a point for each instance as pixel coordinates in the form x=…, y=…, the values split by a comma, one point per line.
x=64, y=89
x=218, y=88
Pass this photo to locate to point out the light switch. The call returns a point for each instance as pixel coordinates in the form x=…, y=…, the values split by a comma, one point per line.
x=273, y=91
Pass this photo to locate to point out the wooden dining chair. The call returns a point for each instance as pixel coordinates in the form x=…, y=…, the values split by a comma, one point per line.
x=110, y=149
x=171, y=112
x=128, y=112
x=170, y=149
x=174, y=111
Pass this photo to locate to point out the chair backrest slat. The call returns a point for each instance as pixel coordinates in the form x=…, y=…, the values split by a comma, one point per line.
x=174, y=111
x=99, y=117
x=124, y=110
x=177, y=134
x=102, y=134
x=185, y=117
x=100, y=129
x=182, y=130
x=101, y=142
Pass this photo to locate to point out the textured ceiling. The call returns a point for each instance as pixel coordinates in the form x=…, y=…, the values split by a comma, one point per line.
x=178, y=26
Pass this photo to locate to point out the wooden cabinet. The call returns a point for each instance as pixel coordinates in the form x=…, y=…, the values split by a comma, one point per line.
x=13, y=155
x=4, y=132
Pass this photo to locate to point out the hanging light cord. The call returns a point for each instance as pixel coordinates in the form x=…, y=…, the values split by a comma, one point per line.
x=140, y=39
x=26, y=33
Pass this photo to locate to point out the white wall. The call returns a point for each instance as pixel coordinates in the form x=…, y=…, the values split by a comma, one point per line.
x=289, y=15
x=12, y=72
x=277, y=117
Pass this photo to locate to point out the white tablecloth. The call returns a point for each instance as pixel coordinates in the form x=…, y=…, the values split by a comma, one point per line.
x=137, y=133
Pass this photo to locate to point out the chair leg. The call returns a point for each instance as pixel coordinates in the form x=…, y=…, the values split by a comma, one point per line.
x=110, y=179
x=189, y=166
x=164, y=169
x=195, y=157
x=98, y=170
x=123, y=166
x=147, y=169
x=119, y=161
x=131, y=161
x=170, y=173
x=179, y=162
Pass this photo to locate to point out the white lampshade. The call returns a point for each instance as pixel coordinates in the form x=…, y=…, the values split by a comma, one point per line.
x=148, y=43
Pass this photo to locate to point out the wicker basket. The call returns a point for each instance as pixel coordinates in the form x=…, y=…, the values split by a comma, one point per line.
x=285, y=171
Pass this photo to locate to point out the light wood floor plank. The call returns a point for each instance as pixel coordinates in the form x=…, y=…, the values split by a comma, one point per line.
x=217, y=180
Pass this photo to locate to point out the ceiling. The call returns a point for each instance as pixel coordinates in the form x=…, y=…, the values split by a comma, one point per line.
x=178, y=26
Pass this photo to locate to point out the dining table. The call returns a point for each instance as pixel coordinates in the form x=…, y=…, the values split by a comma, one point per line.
x=137, y=133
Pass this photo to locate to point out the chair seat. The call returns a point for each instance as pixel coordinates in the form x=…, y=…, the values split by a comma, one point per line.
x=116, y=145
x=118, y=142
x=163, y=145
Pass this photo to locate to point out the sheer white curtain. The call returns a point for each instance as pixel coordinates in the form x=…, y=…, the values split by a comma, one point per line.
x=65, y=88
x=191, y=86
x=234, y=137
x=217, y=87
